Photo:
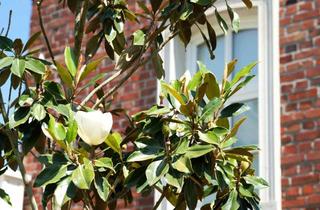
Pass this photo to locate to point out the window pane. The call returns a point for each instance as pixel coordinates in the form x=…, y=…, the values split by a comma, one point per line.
x=248, y=132
x=245, y=47
x=216, y=65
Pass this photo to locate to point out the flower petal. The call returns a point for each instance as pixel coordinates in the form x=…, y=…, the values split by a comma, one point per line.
x=93, y=127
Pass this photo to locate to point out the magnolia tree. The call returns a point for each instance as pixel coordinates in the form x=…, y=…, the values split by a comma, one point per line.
x=182, y=147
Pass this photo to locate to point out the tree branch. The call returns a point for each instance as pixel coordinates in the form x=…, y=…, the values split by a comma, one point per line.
x=39, y=3
x=79, y=27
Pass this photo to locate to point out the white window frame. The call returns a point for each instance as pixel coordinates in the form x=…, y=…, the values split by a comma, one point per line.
x=176, y=61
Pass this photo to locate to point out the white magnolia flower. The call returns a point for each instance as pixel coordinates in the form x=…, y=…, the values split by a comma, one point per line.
x=93, y=127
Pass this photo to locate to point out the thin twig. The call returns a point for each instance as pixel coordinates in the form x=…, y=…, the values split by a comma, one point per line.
x=9, y=23
x=155, y=207
x=79, y=27
x=39, y=3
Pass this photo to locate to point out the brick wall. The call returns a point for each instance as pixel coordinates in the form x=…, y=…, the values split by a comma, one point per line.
x=137, y=94
x=300, y=90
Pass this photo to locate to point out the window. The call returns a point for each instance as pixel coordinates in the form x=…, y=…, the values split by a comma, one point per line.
x=257, y=40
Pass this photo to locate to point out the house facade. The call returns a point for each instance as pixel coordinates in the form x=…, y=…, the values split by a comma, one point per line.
x=284, y=119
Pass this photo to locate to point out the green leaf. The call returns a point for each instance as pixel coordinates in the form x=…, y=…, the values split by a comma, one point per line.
x=141, y=156
x=31, y=40
x=5, y=197
x=6, y=61
x=38, y=112
x=70, y=61
x=138, y=38
x=60, y=193
x=210, y=108
x=35, y=65
x=158, y=66
x=235, y=20
x=190, y=194
x=20, y=116
x=195, y=80
x=104, y=162
x=18, y=67
x=5, y=43
x=235, y=128
x=102, y=186
x=233, y=110
x=113, y=141
x=183, y=164
x=223, y=25
x=243, y=72
x=4, y=75
x=187, y=11
x=172, y=92
x=156, y=170
x=56, y=129
x=72, y=131
x=25, y=101
x=83, y=175
x=209, y=137
x=50, y=175
x=213, y=89
x=198, y=150
x=257, y=182
x=93, y=65
x=232, y=203
x=64, y=75
x=175, y=179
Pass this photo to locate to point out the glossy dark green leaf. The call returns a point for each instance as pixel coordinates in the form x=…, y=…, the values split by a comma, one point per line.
x=198, y=150
x=102, y=186
x=5, y=43
x=190, y=194
x=51, y=174
x=156, y=170
x=232, y=203
x=222, y=23
x=235, y=20
x=18, y=67
x=209, y=137
x=233, y=110
x=211, y=107
x=104, y=162
x=20, y=116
